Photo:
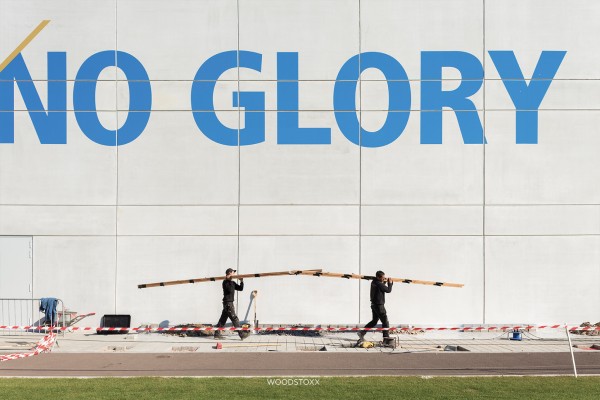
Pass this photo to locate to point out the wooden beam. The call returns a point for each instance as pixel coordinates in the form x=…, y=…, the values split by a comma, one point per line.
x=306, y=272
x=222, y=278
x=370, y=278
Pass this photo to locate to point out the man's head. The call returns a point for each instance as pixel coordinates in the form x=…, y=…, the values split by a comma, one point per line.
x=380, y=275
x=229, y=273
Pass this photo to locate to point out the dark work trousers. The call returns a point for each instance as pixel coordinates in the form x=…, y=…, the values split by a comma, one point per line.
x=228, y=312
x=379, y=313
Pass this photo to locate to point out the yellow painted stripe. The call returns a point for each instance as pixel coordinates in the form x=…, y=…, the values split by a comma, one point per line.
x=24, y=43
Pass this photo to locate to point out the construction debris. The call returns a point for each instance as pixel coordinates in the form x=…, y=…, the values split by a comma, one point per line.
x=308, y=333
x=194, y=333
x=366, y=345
x=591, y=332
x=222, y=346
x=451, y=347
x=408, y=331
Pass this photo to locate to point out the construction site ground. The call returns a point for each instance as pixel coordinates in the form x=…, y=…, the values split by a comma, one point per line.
x=300, y=353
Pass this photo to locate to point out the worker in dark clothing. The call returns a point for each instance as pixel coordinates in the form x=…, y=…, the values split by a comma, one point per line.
x=229, y=288
x=378, y=291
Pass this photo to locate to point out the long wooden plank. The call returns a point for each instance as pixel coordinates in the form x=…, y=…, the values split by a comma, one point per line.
x=311, y=272
x=221, y=278
x=24, y=43
x=370, y=278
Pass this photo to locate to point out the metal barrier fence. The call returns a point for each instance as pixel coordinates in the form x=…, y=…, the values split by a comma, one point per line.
x=27, y=312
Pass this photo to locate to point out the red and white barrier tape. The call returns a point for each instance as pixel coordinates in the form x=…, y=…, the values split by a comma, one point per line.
x=306, y=329
x=43, y=346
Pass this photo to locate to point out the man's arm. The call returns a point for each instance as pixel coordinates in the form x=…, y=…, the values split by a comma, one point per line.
x=239, y=287
x=381, y=286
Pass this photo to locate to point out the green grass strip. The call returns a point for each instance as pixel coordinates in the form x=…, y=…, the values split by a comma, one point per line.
x=301, y=388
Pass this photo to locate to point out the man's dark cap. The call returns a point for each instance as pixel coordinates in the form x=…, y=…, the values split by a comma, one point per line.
x=229, y=271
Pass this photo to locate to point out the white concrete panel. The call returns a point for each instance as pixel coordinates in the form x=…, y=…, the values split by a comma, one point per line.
x=563, y=168
x=167, y=258
x=173, y=162
x=57, y=220
x=422, y=220
x=178, y=192
x=407, y=172
x=440, y=259
x=78, y=270
x=176, y=95
x=375, y=96
x=300, y=174
x=105, y=97
x=404, y=29
x=542, y=279
x=173, y=39
x=312, y=95
x=178, y=220
x=81, y=172
x=529, y=27
x=300, y=299
x=324, y=33
x=16, y=279
x=299, y=220
x=80, y=28
x=542, y=220
x=561, y=95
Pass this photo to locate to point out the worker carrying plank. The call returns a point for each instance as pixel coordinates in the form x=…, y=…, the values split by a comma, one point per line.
x=229, y=288
x=378, y=291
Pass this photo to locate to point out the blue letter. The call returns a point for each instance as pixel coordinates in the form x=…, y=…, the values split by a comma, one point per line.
x=527, y=98
x=84, y=98
x=433, y=98
x=51, y=126
x=344, y=95
x=203, y=107
x=288, y=131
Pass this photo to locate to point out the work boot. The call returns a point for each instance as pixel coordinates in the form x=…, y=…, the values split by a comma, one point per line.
x=361, y=337
x=218, y=335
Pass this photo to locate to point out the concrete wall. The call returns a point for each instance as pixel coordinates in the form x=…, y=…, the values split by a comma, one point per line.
x=518, y=224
